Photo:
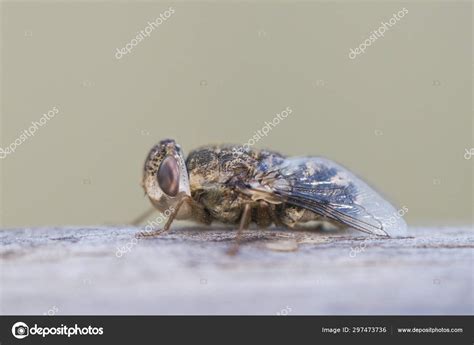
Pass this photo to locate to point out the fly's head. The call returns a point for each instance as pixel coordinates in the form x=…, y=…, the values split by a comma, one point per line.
x=165, y=177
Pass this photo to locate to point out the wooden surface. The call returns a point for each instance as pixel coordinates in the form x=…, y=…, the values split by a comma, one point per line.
x=76, y=271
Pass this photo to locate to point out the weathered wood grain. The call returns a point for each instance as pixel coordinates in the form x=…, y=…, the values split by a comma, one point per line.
x=75, y=270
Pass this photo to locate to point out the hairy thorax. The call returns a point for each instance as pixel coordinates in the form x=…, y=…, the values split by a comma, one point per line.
x=217, y=176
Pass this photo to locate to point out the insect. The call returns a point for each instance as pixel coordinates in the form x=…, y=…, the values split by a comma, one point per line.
x=230, y=184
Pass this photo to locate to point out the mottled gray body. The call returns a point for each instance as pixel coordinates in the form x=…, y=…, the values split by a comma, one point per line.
x=221, y=177
x=228, y=184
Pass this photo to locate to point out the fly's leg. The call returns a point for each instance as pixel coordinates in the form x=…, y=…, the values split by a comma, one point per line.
x=244, y=224
x=148, y=234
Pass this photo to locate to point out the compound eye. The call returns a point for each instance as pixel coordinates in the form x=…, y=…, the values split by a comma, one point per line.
x=168, y=176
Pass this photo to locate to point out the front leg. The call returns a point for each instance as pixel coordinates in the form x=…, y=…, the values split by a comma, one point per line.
x=148, y=234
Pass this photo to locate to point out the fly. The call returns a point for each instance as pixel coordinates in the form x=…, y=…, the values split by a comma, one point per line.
x=232, y=185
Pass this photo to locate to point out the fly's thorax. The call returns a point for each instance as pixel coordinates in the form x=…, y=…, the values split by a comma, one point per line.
x=203, y=168
x=212, y=168
x=211, y=165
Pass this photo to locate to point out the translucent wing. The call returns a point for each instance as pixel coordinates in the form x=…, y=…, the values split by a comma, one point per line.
x=326, y=188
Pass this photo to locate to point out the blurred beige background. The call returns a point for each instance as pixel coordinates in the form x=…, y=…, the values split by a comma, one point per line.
x=400, y=115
